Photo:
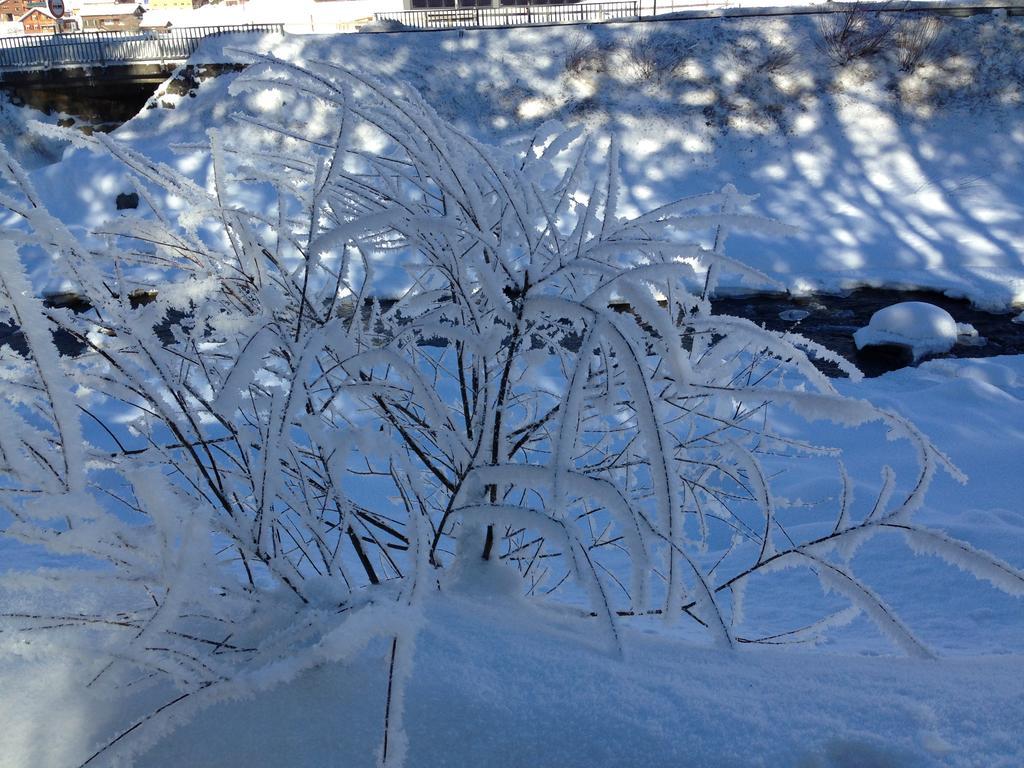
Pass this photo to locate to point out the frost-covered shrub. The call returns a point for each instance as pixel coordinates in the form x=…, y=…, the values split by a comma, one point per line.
x=655, y=55
x=854, y=33
x=915, y=38
x=584, y=55
x=293, y=442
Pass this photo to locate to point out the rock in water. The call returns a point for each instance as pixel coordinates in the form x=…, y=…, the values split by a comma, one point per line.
x=923, y=328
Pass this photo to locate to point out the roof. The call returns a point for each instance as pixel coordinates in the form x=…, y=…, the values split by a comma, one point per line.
x=111, y=9
x=43, y=11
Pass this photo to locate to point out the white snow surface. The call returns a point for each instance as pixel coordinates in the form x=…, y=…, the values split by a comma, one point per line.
x=923, y=328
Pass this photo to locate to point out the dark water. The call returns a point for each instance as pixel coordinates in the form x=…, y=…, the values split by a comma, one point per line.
x=830, y=320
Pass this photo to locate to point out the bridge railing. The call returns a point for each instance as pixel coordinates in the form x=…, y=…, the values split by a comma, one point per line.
x=501, y=15
x=102, y=48
x=512, y=15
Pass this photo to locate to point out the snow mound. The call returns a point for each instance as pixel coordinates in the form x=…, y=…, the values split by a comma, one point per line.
x=923, y=328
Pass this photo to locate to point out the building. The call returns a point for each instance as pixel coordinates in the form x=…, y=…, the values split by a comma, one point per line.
x=178, y=5
x=111, y=17
x=39, y=21
x=13, y=10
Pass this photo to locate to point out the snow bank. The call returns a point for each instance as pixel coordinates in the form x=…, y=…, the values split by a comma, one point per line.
x=507, y=686
x=500, y=687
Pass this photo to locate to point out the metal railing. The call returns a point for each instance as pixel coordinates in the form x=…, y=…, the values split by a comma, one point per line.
x=513, y=15
x=104, y=48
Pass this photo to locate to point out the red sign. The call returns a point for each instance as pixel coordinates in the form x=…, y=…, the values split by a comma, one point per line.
x=55, y=7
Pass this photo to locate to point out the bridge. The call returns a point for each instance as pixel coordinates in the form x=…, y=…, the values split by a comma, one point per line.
x=100, y=77
x=101, y=49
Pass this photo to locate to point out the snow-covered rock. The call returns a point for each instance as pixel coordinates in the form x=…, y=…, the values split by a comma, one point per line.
x=923, y=328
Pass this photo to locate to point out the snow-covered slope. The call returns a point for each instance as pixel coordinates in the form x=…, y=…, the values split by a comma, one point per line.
x=895, y=178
